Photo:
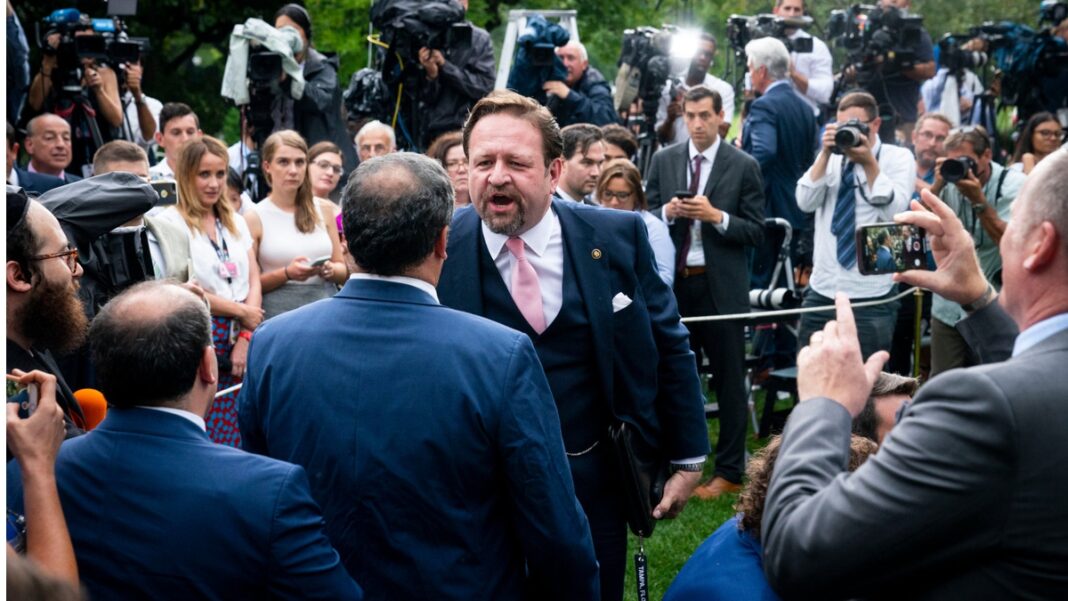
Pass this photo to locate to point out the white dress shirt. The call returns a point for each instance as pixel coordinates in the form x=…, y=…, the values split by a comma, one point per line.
x=544, y=248
x=399, y=279
x=817, y=67
x=182, y=413
x=877, y=202
x=160, y=170
x=696, y=256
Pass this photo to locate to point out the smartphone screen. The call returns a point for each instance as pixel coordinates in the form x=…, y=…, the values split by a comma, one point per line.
x=890, y=248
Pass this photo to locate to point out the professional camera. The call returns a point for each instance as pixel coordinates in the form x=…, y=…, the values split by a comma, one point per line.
x=849, y=135
x=741, y=29
x=953, y=57
x=108, y=43
x=406, y=26
x=876, y=38
x=954, y=170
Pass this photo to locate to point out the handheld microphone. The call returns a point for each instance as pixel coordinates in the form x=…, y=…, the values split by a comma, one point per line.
x=93, y=405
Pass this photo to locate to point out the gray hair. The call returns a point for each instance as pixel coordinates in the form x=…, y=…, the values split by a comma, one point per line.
x=393, y=210
x=373, y=126
x=770, y=53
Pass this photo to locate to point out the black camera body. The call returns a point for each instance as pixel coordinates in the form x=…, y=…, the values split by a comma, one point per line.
x=955, y=58
x=876, y=37
x=954, y=170
x=742, y=29
x=849, y=135
x=109, y=43
x=408, y=25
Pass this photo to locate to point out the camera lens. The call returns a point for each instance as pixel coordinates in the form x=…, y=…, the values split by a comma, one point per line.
x=847, y=137
x=954, y=170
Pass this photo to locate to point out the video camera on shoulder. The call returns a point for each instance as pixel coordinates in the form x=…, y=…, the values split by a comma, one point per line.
x=877, y=37
x=742, y=29
x=81, y=37
x=849, y=135
x=408, y=25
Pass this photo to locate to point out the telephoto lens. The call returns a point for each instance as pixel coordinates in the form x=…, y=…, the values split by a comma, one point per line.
x=954, y=170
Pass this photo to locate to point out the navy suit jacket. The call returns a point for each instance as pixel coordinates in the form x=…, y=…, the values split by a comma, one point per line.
x=158, y=511
x=432, y=442
x=644, y=363
x=782, y=135
x=39, y=183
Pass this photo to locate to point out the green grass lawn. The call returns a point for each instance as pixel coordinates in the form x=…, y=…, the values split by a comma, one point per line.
x=674, y=541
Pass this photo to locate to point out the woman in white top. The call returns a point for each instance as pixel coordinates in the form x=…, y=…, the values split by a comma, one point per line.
x=299, y=255
x=620, y=187
x=220, y=247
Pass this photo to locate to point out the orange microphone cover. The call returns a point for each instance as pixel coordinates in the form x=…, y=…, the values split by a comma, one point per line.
x=93, y=405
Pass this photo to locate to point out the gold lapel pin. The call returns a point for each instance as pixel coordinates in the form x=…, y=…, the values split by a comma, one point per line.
x=596, y=253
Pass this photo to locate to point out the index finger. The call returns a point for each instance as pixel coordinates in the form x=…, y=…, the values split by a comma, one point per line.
x=847, y=328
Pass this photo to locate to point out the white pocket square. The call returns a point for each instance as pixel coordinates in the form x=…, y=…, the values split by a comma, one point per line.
x=620, y=301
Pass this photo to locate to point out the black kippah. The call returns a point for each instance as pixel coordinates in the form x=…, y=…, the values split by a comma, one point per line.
x=300, y=16
x=17, y=205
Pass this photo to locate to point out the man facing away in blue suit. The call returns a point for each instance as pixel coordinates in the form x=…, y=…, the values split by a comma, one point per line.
x=781, y=133
x=581, y=283
x=430, y=435
x=158, y=511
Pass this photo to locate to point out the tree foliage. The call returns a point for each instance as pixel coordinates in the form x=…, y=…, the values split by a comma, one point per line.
x=190, y=38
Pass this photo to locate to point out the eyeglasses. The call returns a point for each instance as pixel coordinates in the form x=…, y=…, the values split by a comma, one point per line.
x=327, y=165
x=620, y=196
x=455, y=164
x=70, y=257
x=926, y=135
x=1050, y=133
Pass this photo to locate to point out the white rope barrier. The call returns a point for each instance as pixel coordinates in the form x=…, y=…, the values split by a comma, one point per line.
x=233, y=388
x=791, y=312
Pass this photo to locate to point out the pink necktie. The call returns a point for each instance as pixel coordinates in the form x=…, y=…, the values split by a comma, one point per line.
x=526, y=291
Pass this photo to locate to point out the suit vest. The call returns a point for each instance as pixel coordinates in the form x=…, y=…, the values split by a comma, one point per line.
x=565, y=349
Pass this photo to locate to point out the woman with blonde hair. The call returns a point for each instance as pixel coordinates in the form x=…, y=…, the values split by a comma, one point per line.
x=294, y=237
x=220, y=248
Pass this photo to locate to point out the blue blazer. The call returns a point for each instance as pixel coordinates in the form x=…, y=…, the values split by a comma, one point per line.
x=158, y=511
x=644, y=363
x=782, y=135
x=432, y=442
x=39, y=183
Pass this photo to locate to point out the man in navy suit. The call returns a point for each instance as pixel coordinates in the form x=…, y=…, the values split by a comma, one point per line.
x=155, y=509
x=33, y=183
x=781, y=134
x=581, y=282
x=430, y=434
x=48, y=143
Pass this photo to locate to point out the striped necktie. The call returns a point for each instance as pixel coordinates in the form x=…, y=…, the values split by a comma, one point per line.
x=844, y=220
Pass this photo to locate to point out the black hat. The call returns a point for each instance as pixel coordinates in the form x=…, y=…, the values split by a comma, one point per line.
x=17, y=205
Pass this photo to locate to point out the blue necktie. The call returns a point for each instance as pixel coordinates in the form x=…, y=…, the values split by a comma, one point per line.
x=844, y=221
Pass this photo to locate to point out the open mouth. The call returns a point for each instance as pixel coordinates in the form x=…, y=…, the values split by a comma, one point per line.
x=501, y=202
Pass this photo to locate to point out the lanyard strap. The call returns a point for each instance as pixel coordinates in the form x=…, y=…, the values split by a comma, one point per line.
x=223, y=253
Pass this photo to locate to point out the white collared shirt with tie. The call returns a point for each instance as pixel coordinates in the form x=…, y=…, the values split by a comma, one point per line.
x=696, y=256
x=545, y=252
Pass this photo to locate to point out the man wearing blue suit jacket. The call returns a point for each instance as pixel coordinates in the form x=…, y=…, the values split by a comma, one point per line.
x=581, y=282
x=34, y=183
x=155, y=509
x=781, y=134
x=430, y=434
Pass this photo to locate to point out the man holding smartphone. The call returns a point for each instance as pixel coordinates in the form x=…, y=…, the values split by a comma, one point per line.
x=715, y=211
x=846, y=188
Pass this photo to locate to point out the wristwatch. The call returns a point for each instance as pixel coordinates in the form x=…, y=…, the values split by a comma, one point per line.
x=687, y=467
x=988, y=297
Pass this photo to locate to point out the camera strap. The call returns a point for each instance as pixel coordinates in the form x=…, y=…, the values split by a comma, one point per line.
x=979, y=235
x=864, y=194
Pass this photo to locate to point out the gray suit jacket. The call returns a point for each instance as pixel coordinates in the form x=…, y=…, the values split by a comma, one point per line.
x=734, y=187
x=966, y=499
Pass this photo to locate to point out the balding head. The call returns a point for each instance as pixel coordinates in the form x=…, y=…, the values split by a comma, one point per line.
x=575, y=60
x=48, y=144
x=394, y=209
x=148, y=344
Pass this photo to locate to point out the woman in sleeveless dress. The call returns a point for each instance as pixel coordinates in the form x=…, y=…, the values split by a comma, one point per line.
x=294, y=238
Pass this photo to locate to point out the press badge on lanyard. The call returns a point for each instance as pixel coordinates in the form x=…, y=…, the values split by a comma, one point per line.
x=227, y=268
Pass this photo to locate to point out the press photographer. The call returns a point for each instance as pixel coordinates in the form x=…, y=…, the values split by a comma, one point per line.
x=434, y=63
x=812, y=72
x=890, y=55
x=457, y=77
x=77, y=82
x=670, y=126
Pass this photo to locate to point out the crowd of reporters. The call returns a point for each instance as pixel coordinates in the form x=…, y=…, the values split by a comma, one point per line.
x=708, y=213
